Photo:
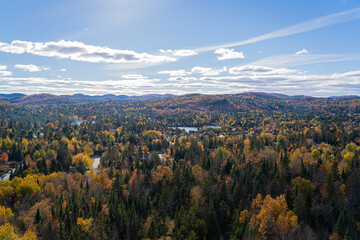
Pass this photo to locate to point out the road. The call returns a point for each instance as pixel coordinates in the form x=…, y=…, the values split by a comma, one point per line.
x=96, y=163
x=6, y=176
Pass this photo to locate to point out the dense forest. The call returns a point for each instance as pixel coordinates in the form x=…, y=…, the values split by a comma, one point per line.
x=245, y=166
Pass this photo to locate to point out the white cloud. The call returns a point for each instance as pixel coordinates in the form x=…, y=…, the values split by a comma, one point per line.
x=302, y=52
x=183, y=79
x=258, y=70
x=226, y=53
x=133, y=76
x=205, y=71
x=63, y=70
x=81, y=52
x=30, y=68
x=3, y=67
x=174, y=73
x=17, y=47
x=349, y=74
x=180, y=53
x=5, y=73
x=129, y=84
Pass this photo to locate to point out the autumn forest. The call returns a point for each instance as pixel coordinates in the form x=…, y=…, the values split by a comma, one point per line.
x=240, y=166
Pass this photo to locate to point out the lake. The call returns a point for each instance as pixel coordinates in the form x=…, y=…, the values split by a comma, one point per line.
x=194, y=129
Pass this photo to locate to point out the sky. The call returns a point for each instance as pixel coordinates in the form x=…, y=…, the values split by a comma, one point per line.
x=138, y=47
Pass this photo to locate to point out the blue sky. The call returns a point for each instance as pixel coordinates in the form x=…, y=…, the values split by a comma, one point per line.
x=138, y=47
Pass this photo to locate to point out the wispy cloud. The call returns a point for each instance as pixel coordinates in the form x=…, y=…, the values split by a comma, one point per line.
x=259, y=70
x=287, y=60
x=302, y=27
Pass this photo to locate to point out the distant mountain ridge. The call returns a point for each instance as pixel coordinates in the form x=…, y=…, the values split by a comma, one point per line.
x=12, y=97
x=44, y=98
x=218, y=101
x=114, y=98
x=19, y=98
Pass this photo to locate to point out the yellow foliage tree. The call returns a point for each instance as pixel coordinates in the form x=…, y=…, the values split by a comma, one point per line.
x=29, y=235
x=273, y=220
x=349, y=156
x=5, y=214
x=85, y=159
x=8, y=232
x=102, y=179
x=20, y=189
x=85, y=224
x=295, y=160
x=27, y=188
x=243, y=216
x=196, y=194
x=162, y=172
x=198, y=173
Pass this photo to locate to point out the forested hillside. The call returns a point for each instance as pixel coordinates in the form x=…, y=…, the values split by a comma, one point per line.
x=247, y=166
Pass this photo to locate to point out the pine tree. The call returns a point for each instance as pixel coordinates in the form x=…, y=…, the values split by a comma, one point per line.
x=37, y=216
x=341, y=224
x=347, y=236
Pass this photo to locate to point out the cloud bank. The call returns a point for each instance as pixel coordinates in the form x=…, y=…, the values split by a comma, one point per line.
x=244, y=79
x=79, y=51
